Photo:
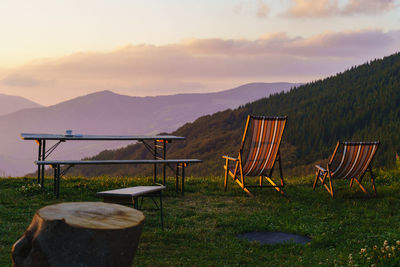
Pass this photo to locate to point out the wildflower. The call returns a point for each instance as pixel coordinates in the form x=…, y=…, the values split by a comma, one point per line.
x=385, y=243
x=350, y=259
x=389, y=255
x=387, y=248
x=393, y=248
x=363, y=250
x=398, y=242
x=375, y=247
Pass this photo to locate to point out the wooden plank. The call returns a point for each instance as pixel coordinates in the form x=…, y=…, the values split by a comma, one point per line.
x=320, y=168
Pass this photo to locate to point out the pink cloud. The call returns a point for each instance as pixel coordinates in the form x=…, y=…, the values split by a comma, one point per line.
x=327, y=8
x=309, y=8
x=262, y=9
x=200, y=65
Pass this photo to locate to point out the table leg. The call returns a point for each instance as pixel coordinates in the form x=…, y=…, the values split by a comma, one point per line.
x=164, y=157
x=39, y=158
x=155, y=165
x=43, y=158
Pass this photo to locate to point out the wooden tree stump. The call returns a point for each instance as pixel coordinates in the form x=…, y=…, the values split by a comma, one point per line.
x=80, y=234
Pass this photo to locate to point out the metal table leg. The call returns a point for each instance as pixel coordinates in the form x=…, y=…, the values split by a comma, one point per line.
x=164, y=157
x=39, y=158
x=155, y=165
x=43, y=158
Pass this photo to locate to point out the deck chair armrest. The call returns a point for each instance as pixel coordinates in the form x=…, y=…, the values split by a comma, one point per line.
x=320, y=168
x=230, y=158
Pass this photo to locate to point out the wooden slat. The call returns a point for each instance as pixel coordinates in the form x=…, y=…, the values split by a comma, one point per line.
x=230, y=158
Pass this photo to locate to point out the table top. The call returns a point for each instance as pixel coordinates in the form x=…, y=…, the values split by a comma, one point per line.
x=131, y=191
x=84, y=137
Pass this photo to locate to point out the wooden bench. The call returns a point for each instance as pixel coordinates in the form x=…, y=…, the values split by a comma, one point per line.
x=56, y=165
x=131, y=195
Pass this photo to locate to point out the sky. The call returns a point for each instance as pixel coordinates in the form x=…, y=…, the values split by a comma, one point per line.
x=52, y=51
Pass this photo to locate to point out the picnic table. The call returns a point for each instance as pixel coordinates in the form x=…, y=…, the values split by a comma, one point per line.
x=155, y=144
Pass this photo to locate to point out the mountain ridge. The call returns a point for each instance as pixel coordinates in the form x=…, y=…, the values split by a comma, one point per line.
x=359, y=104
x=10, y=104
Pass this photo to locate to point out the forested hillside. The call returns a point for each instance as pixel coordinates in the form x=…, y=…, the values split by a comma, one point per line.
x=362, y=103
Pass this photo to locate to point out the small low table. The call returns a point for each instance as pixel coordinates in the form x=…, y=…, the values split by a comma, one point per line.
x=131, y=195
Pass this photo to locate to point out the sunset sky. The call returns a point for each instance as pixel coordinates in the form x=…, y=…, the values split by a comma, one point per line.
x=52, y=51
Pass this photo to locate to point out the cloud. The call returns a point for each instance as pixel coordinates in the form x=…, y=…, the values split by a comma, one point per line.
x=199, y=65
x=327, y=8
x=19, y=80
x=310, y=8
x=262, y=9
x=368, y=7
x=238, y=8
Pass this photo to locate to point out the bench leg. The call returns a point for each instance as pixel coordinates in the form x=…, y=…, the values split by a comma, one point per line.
x=177, y=178
x=161, y=212
x=139, y=207
x=55, y=181
x=58, y=181
x=56, y=186
x=183, y=179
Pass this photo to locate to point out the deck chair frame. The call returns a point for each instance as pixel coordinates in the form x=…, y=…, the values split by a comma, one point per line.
x=239, y=176
x=326, y=176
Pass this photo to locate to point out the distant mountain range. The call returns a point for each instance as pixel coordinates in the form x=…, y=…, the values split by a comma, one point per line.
x=360, y=104
x=10, y=104
x=109, y=113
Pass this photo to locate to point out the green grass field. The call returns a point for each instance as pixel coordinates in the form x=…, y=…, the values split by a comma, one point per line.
x=201, y=227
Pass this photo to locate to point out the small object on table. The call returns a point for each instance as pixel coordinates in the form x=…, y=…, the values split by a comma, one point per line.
x=80, y=234
x=68, y=132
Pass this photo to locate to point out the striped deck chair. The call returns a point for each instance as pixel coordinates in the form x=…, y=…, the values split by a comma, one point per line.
x=258, y=157
x=352, y=163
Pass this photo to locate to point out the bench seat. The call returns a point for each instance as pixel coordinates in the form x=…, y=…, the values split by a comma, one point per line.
x=130, y=195
x=131, y=191
x=113, y=162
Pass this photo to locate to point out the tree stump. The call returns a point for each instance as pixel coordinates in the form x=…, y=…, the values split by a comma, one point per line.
x=80, y=234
